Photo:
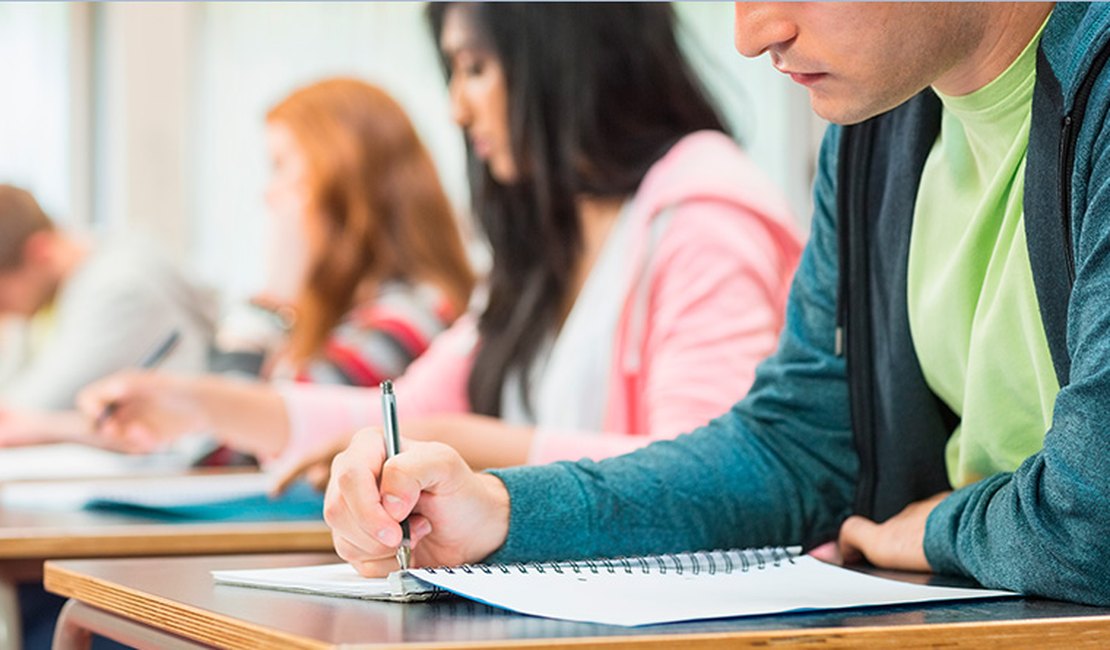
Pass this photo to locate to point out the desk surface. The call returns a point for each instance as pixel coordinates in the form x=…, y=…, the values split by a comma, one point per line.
x=178, y=596
x=37, y=531
x=26, y=534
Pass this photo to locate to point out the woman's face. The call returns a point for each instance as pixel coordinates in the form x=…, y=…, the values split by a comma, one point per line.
x=479, y=96
x=296, y=235
x=287, y=192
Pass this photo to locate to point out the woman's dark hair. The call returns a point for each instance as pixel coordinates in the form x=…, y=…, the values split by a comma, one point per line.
x=596, y=94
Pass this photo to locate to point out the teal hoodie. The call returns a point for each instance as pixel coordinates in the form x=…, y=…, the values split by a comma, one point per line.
x=781, y=466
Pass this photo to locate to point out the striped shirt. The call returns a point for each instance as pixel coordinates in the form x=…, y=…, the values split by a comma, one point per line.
x=377, y=339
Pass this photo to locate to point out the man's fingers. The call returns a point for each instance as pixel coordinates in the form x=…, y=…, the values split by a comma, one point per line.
x=351, y=505
x=367, y=563
x=419, y=528
x=828, y=552
x=405, y=476
x=352, y=502
x=856, y=536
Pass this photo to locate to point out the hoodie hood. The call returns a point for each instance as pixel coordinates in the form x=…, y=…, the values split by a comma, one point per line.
x=1076, y=31
x=710, y=166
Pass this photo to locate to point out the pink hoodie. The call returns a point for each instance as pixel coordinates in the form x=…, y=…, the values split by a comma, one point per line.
x=704, y=306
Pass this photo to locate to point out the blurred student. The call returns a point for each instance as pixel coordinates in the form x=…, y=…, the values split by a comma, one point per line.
x=90, y=309
x=367, y=238
x=640, y=259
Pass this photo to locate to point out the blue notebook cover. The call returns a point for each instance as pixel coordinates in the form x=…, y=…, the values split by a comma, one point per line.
x=299, y=502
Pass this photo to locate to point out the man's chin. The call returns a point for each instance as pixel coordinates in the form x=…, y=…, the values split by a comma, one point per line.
x=844, y=113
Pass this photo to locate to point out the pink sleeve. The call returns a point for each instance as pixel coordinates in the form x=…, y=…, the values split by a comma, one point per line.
x=435, y=383
x=718, y=293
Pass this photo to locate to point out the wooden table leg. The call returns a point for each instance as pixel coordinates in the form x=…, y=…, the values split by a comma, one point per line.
x=78, y=622
x=10, y=622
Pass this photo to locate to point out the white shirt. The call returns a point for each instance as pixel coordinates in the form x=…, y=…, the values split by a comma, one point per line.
x=119, y=303
x=570, y=375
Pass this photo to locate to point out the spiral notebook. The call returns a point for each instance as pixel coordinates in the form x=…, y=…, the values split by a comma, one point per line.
x=627, y=591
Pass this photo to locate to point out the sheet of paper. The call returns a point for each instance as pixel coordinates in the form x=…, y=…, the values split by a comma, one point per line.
x=80, y=461
x=148, y=491
x=638, y=598
x=328, y=580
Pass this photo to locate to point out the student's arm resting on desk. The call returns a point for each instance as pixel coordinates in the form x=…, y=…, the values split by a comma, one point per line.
x=1045, y=529
x=780, y=467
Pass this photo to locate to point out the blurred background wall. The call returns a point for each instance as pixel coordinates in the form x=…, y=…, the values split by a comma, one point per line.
x=150, y=115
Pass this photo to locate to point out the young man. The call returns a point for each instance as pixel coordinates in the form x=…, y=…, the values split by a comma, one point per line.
x=91, y=310
x=948, y=328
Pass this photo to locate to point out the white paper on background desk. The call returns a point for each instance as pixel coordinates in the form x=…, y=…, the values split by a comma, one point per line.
x=154, y=492
x=71, y=460
x=621, y=598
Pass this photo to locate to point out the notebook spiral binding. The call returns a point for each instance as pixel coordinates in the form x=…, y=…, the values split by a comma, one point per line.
x=710, y=562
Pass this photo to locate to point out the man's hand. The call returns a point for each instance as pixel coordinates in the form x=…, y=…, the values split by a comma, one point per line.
x=897, y=543
x=455, y=515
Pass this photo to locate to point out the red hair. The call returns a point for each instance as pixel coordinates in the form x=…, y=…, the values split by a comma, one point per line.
x=384, y=213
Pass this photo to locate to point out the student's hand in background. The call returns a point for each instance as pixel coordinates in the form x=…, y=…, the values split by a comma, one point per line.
x=897, y=543
x=457, y=516
x=314, y=467
x=148, y=409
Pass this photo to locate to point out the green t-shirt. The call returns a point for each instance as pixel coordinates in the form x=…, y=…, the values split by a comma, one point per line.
x=973, y=308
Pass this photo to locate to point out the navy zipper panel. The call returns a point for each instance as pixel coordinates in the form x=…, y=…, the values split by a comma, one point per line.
x=854, y=304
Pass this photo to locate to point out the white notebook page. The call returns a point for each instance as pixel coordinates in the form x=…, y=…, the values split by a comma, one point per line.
x=621, y=598
x=626, y=595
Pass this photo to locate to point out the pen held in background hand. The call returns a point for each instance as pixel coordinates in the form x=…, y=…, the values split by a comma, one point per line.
x=392, y=448
x=150, y=360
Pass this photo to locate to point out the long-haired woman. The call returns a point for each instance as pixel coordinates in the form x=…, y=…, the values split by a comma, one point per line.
x=377, y=259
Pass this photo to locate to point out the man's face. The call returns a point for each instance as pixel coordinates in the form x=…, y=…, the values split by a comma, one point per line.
x=25, y=289
x=858, y=60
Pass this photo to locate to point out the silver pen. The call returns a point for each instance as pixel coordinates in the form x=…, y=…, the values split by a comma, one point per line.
x=392, y=448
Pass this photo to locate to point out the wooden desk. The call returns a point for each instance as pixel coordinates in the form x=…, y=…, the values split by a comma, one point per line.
x=27, y=538
x=27, y=535
x=174, y=604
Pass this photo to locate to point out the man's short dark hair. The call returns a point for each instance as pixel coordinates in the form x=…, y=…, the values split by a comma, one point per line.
x=20, y=218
